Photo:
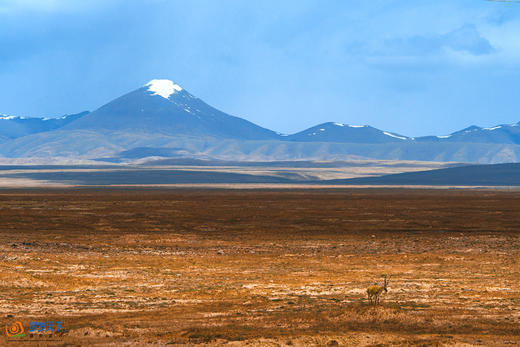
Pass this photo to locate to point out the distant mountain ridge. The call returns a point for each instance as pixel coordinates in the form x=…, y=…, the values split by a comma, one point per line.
x=16, y=126
x=504, y=133
x=161, y=119
x=338, y=132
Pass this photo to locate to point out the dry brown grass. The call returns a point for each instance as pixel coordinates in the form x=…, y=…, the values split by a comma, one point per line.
x=263, y=267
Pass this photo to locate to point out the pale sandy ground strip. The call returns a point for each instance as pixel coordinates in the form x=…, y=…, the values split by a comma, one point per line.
x=27, y=183
x=304, y=186
x=318, y=173
x=307, y=173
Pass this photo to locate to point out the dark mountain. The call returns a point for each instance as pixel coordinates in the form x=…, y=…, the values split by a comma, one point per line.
x=344, y=133
x=162, y=106
x=472, y=175
x=12, y=127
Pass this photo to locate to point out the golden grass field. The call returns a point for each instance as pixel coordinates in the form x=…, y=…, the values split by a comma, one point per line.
x=261, y=267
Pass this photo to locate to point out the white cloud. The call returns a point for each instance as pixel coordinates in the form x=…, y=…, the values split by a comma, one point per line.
x=465, y=39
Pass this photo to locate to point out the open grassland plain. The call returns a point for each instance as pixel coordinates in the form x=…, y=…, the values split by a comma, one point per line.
x=196, y=172
x=261, y=268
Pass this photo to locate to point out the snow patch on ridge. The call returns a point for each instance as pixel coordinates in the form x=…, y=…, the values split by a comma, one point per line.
x=6, y=117
x=494, y=128
x=393, y=135
x=51, y=118
x=348, y=125
x=163, y=88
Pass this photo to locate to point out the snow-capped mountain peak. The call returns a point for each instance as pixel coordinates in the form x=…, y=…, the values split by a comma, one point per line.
x=163, y=88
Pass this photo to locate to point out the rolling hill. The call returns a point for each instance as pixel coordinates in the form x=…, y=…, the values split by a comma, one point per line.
x=471, y=175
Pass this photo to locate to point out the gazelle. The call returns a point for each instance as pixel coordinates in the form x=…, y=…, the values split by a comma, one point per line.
x=375, y=290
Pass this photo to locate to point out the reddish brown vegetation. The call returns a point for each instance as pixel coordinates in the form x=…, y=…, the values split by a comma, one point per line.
x=286, y=267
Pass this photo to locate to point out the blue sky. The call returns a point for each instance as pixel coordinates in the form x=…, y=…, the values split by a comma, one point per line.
x=412, y=67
